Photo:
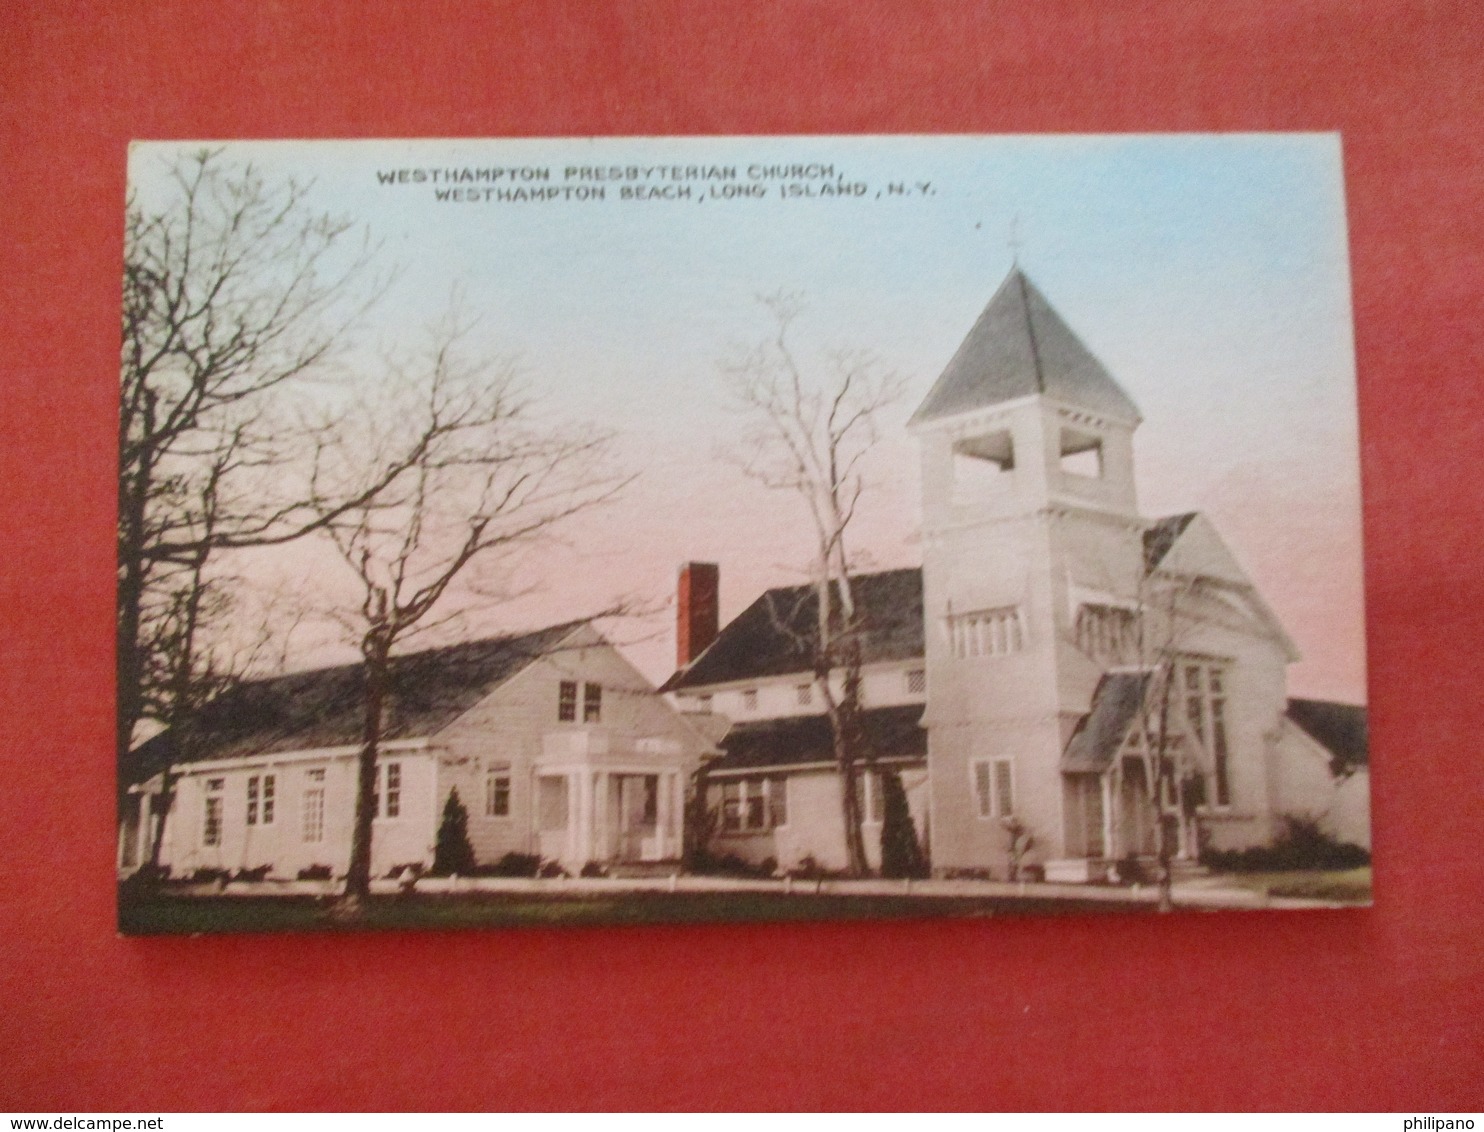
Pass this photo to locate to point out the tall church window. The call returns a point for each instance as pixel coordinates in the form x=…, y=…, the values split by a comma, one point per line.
x=567, y=701
x=988, y=632
x=1203, y=684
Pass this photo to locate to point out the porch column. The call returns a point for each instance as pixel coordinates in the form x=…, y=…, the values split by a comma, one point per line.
x=662, y=817
x=1110, y=826
x=601, y=839
x=582, y=834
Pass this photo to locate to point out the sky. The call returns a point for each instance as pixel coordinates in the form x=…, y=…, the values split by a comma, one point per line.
x=1208, y=273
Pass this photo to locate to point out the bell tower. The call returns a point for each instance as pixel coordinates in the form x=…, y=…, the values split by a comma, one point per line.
x=1029, y=512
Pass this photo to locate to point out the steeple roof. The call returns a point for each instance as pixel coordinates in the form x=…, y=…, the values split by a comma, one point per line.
x=1020, y=346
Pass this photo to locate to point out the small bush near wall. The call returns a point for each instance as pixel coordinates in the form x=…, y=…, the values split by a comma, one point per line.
x=316, y=872
x=705, y=863
x=208, y=876
x=253, y=875
x=1301, y=845
x=510, y=865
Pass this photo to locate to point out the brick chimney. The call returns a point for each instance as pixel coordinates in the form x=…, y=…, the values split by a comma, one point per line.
x=697, y=610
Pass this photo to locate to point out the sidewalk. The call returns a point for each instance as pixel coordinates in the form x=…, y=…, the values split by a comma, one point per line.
x=1194, y=892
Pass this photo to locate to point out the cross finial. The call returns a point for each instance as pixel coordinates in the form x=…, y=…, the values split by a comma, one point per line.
x=1014, y=241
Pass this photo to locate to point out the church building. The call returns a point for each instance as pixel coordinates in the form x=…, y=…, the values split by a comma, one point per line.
x=1061, y=669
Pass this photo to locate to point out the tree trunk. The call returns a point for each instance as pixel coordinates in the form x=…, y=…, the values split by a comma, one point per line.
x=358, y=875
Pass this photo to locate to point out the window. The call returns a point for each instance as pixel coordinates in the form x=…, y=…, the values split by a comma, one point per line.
x=806, y=694
x=260, y=799
x=314, y=807
x=916, y=682
x=753, y=805
x=393, y=806
x=567, y=702
x=211, y=825
x=592, y=702
x=1107, y=632
x=749, y=700
x=994, y=788
x=989, y=632
x=497, y=792
x=1203, y=685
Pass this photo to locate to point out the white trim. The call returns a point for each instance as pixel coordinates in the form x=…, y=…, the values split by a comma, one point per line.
x=317, y=754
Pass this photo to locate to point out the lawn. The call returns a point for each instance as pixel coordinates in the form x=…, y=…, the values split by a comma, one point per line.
x=165, y=914
x=1347, y=886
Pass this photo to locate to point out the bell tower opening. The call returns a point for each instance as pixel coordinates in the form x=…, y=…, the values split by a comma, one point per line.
x=1081, y=454
x=982, y=465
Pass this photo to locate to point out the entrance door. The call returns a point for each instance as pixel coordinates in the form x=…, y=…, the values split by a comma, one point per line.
x=553, y=811
x=638, y=815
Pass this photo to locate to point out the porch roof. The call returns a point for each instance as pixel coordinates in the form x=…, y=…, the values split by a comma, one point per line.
x=1115, y=705
x=890, y=733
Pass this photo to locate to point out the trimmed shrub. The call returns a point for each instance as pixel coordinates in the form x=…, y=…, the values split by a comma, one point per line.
x=316, y=872
x=705, y=863
x=551, y=870
x=452, y=854
x=207, y=875
x=901, y=852
x=1301, y=845
x=253, y=875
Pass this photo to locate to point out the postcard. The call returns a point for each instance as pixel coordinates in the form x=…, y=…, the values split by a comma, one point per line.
x=586, y=531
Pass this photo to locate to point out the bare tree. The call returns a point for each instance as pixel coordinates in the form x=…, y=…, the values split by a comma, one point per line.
x=1173, y=759
x=458, y=476
x=809, y=435
x=234, y=290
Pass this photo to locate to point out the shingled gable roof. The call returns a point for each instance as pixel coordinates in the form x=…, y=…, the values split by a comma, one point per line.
x=1099, y=735
x=1161, y=537
x=322, y=707
x=1020, y=346
x=890, y=733
x=1341, y=729
x=775, y=634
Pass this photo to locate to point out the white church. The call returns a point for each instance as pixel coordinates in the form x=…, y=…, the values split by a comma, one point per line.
x=1053, y=644
x=1018, y=678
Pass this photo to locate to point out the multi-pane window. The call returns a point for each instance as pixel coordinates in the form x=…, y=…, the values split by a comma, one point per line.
x=916, y=682
x=994, y=788
x=989, y=632
x=592, y=702
x=1203, y=685
x=806, y=694
x=393, y=807
x=749, y=700
x=260, y=789
x=1107, y=632
x=314, y=806
x=753, y=805
x=497, y=792
x=211, y=825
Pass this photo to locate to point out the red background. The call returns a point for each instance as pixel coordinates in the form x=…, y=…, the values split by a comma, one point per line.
x=1364, y=1009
